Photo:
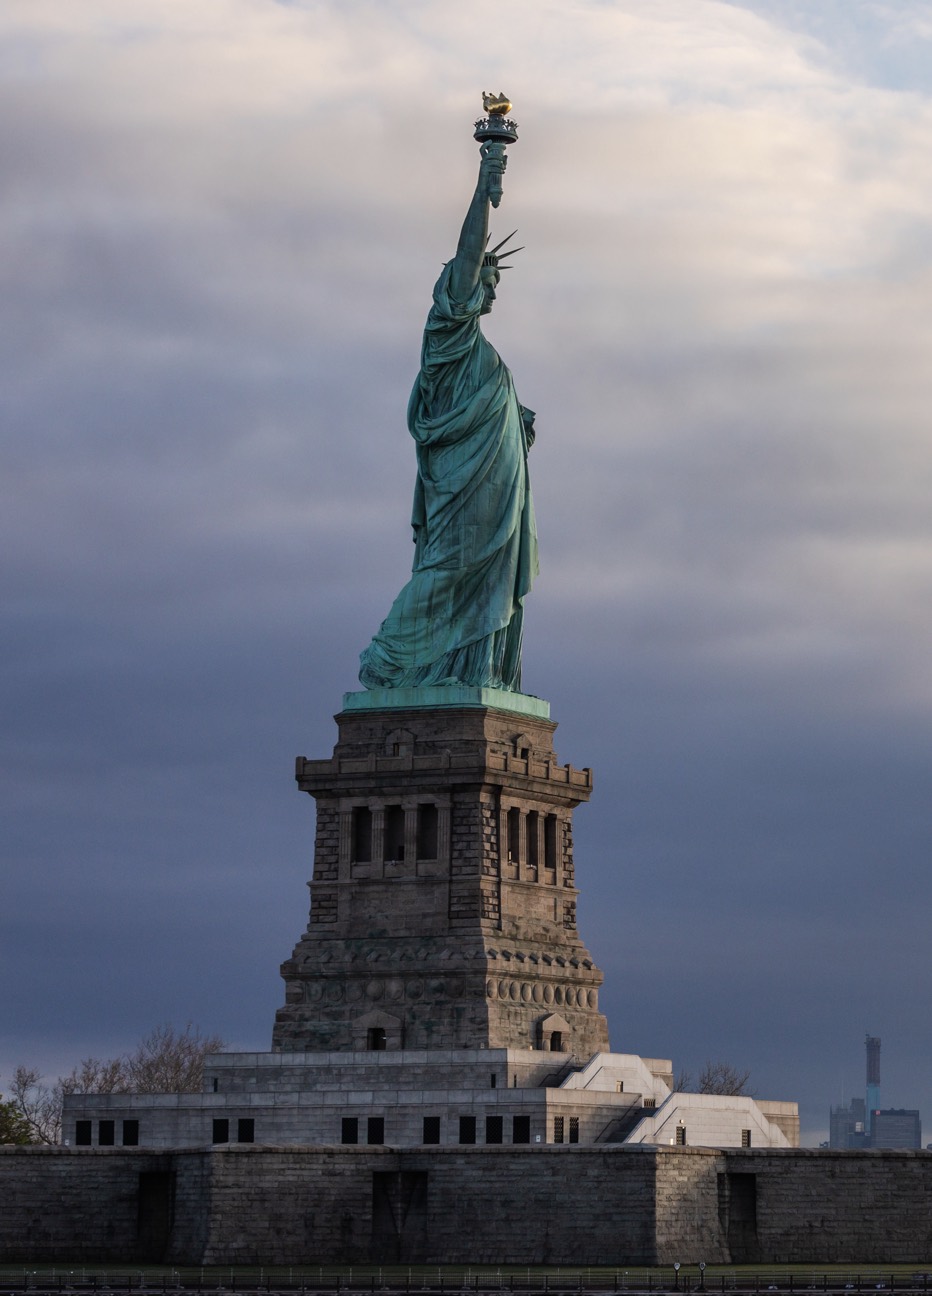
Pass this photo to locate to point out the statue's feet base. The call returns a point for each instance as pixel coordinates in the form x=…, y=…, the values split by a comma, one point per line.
x=446, y=695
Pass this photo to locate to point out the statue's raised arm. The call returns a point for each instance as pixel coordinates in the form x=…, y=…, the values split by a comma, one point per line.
x=474, y=236
x=459, y=619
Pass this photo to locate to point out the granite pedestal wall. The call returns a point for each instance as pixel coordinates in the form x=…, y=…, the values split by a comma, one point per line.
x=443, y=903
x=500, y=1205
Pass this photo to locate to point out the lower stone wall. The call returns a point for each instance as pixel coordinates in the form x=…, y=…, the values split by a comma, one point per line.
x=483, y=1205
x=612, y=1205
x=821, y=1205
x=63, y=1204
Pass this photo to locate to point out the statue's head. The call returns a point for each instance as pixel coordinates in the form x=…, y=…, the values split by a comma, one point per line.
x=490, y=273
x=488, y=277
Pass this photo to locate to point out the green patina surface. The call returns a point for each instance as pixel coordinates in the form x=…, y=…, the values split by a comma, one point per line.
x=458, y=621
x=385, y=699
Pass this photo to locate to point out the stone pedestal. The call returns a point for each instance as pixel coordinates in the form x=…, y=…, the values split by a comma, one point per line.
x=443, y=909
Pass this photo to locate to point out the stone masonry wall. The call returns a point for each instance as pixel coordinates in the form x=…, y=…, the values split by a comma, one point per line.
x=75, y=1205
x=830, y=1206
x=523, y=1205
x=459, y=1205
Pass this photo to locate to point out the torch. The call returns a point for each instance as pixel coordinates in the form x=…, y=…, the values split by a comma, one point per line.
x=494, y=132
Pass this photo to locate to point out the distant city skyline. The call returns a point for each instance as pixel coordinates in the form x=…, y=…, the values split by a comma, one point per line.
x=863, y=1123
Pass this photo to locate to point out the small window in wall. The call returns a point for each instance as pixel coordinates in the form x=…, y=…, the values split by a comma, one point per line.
x=681, y=1135
x=362, y=835
x=131, y=1133
x=574, y=1129
x=221, y=1130
x=621, y=1086
x=514, y=834
x=376, y=1039
x=649, y=1104
x=550, y=842
x=745, y=1138
x=494, y=1129
x=427, y=831
x=493, y=1080
x=533, y=842
x=431, y=1129
x=215, y=1084
x=83, y=1133
x=245, y=1130
x=394, y=832
x=556, y=1042
x=349, y=1131
x=521, y=1129
x=467, y=1129
x=375, y=1129
x=105, y=1133
x=558, y=1129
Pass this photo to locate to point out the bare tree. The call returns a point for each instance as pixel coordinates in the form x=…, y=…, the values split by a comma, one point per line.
x=165, y=1061
x=723, y=1078
x=38, y=1105
x=170, y=1061
x=14, y=1127
x=715, y=1078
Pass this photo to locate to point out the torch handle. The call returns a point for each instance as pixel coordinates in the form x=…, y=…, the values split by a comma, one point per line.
x=494, y=161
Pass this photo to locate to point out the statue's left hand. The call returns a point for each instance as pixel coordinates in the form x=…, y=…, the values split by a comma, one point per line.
x=527, y=417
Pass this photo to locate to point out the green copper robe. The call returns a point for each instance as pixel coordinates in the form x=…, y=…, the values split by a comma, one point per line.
x=459, y=619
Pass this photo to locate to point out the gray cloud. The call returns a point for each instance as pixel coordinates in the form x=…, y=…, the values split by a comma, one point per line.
x=220, y=229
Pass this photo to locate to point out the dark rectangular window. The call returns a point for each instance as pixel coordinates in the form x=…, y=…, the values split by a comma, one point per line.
x=521, y=1129
x=467, y=1129
x=574, y=1129
x=514, y=834
x=745, y=1138
x=349, y=1132
x=431, y=1129
x=362, y=835
x=550, y=842
x=131, y=1133
x=105, y=1133
x=245, y=1130
x=375, y=1129
x=221, y=1130
x=494, y=1129
x=376, y=1039
x=533, y=843
x=82, y=1133
x=558, y=1129
x=427, y=831
x=394, y=832
x=681, y=1135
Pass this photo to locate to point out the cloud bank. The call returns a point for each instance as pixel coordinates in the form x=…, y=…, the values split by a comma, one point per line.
x=221, y=226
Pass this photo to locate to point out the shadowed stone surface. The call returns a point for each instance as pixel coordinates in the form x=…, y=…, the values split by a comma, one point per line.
x=443, y=905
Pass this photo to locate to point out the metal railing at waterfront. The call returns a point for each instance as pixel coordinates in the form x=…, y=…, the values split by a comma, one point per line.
x=469, y=1281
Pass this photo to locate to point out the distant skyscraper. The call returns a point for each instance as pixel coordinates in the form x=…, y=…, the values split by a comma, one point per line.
x=896, y=1128
x=863, y=1123
x=872, y=1047
x=847, y=1127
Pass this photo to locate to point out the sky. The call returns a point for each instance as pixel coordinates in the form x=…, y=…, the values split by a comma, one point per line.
x=220, y=227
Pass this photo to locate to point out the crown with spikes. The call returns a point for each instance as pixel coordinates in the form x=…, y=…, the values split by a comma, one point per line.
x=491, y=257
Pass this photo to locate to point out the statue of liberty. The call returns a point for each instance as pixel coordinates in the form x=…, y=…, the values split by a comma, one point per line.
x=459, y=619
